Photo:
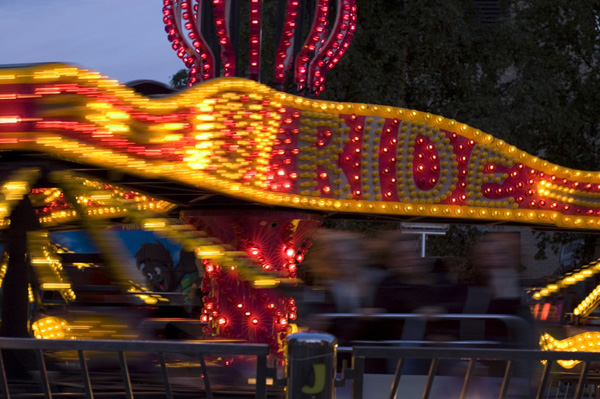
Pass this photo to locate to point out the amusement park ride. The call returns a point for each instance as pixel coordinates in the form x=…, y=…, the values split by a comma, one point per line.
x=241, y=173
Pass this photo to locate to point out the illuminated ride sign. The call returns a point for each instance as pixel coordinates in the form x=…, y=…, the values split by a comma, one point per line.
x=243, y=139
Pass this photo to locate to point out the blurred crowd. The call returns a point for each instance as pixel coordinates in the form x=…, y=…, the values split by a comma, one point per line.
x=348, y=273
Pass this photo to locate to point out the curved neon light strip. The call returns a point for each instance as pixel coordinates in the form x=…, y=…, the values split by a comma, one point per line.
x=246, y=140
x=337, y=43
x=316, y=33
x=172, y=20
x=221, y=23
x=207, y=64
x=254, y=68
x=283, y=56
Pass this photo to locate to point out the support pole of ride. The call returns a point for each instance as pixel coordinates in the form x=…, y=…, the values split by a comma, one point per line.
x=15, y=303
x=311, y=362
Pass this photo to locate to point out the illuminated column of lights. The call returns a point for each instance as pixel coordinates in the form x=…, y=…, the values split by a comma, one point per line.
x=234, y=308
x=335, y=47
x=314, y=41
x=284, y=56
x=220, y=12
x=255, y=36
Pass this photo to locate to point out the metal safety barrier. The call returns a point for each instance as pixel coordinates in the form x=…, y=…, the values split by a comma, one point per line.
x=470, y=366
x=519, y=373
x=469, y=331
x=75, y=379
x=421, y=368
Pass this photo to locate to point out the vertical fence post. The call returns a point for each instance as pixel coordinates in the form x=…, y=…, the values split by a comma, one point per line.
x=311, y=366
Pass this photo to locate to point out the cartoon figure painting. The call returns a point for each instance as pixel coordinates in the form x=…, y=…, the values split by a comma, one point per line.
x=155, y=262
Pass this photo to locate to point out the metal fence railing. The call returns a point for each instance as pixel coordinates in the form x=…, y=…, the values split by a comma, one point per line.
x=420, y=368
x=519, y=374
x=468, y=366
x=116, y=366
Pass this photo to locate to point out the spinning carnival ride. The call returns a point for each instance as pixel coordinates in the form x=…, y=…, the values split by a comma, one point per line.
x=253, y=170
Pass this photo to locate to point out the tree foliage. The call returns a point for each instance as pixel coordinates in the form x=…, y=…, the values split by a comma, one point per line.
x=180, y=79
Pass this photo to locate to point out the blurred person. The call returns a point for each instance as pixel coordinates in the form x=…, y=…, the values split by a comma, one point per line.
x=376, y=263
x=497, y=291
x=411, y=285
x=340, y=283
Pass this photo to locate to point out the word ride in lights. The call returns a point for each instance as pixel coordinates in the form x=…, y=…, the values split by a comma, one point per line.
x=246, y=140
